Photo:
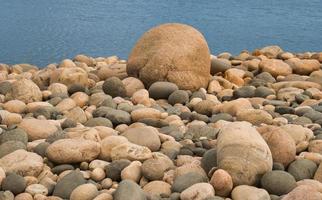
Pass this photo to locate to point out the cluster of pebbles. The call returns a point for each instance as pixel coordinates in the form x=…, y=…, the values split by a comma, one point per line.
x=104, y=129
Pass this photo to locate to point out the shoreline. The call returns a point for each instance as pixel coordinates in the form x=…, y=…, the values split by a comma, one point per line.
x=86, y=128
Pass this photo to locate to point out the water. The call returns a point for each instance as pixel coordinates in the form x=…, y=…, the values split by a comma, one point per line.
x=46, y=31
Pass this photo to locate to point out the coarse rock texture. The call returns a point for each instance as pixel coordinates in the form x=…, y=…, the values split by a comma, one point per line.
x=73, y=151
x=183, y=124
x=280, y=143
x=22, y=162
x=37, y=129
x=24, y=90
x=243, y=153
x=171, y=52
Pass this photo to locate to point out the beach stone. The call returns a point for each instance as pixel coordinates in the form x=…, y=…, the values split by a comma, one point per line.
x=143, y=113
x=16, y=134
x=98, y=121
x=186, y=180
x=6, y=195
x=234, y=106
x=315, y=146
x=25, y=90
x=318, y=174
x=236, y=154
x=205, y=107
x=66, y=63
x=34, y=189
x=58, y=89
x=114, y=169
x=189, y=71
x=221, y=116
x=84, y=59
x=108, y=143
x=10, y=146
x=74, y=88
x=14, y=183
x=275, y=67
x=68, y=183
x=41, y=148
x=281, y=144
x=242, y=192
x=79, y=150
x=131, y=152
x=302, y=169
x=162, y=90
x=254, y=116
x=141, y=97
x=278, y=182
x=37, y=129
x=222, y=182
x=209, y=160
x=115, y=116
x=68, y=123
x=132, y=172
x=219, y=65
x=114, y=87
x=80, y=98
x=77, y=114
x=303, y=67
x=128, y=188
x=144, y=136
x=60, y=168
x=198, y=191
x=195, y=132
x=132, y=85
x=157, y=188
x=303, y=192
x=271, y=51
x=244, y=92
x=22, y=162
x=263, y=92
x=49, y=112
x=23, y=196
x=155, y=167
x=5, y=87
x=15, y=106
x=84, y=192
x=178, y=96
x=69, y=76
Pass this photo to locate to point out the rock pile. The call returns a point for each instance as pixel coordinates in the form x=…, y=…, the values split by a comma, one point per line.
x=174, y=122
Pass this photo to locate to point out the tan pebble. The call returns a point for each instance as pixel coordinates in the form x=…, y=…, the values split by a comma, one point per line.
x=104, y=196
x=198, y=191
x=157, y=188
x=84, y=192
x=132, y=172
x=107, y=183
x=24, y=196
x=30, y=180
x=40, y=197
x=2, y=174
x=222, y=182
x=121, y=128
x=34, y=189
x=98, y=174
x=98, y=164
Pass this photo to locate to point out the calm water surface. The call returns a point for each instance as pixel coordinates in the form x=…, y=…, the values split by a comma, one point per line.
x=45, y=31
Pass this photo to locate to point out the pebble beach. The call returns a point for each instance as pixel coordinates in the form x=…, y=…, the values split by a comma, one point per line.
x=173, y=122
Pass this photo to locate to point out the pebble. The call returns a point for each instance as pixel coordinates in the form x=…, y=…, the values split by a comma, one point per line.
x=14, y=183
x=278, y=182
x=235, y=126
x=84, y=192
x=67, y=184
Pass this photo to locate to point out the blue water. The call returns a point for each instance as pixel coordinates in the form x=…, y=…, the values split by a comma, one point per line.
x=45, y=31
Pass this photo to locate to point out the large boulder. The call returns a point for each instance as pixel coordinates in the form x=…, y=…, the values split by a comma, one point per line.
x=243, y=153
x=275, y=67
x=171, y=52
